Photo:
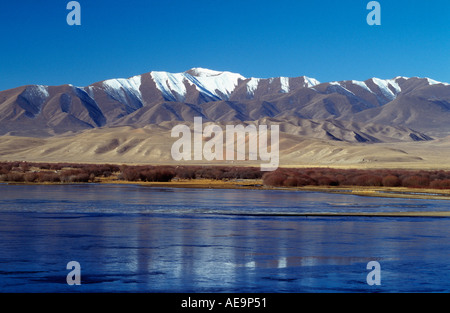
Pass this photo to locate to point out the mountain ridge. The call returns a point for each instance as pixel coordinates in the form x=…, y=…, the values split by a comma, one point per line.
x=155, y=97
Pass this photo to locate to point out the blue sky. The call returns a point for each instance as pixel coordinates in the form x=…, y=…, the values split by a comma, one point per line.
x=326, y=40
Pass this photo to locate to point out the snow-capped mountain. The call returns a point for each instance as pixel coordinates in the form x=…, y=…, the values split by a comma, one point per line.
x=419, y=103
x=209, y=85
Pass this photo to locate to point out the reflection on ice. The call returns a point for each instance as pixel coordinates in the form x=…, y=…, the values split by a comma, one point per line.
x=297, y=261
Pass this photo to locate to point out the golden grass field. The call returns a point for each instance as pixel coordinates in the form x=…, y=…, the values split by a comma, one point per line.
x=151, y=145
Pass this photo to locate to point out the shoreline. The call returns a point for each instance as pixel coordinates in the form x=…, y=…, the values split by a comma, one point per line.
x=435, y=214
x=255, y=184
x=384, y=192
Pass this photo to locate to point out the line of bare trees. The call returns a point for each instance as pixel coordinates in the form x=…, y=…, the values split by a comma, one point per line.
x=167, y=173
x=438, y=179
x=54, y=172
x=282, y=177
x=73, y=173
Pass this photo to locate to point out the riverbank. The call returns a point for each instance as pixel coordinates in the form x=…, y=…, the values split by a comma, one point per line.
x=412, y=184
x=386, y=192
x=255, y=184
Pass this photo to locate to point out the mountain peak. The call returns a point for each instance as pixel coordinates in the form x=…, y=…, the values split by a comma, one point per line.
x=203, y=72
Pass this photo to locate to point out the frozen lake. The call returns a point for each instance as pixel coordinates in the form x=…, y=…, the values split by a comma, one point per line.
x=138, y=239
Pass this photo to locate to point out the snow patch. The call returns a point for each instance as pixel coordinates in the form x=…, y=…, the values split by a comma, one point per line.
x=120, y=86
x=284, y=84
x=90, y=91
x=435, y=82
x=136, y=82
x=310, y=82
x=221, y=85
x=203, y=72
x=43, y=90
x=171, y=85
x=339, y=87
x=125, y=91
x=214, y=84
x=35, y=96
x=252, y=85
x=362, y=85
x=396, y=86
x=383, y=85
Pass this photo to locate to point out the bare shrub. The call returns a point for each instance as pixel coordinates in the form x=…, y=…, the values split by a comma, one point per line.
x=275, y=179
x=48, y=177
x=368, y=180
x=415, y=181
x=391, y=181
x=185, y=173
x=30, y=177
x=157, y=175
x=327, y=181
x=130, y=174
x=440, y=184
x=15, y=177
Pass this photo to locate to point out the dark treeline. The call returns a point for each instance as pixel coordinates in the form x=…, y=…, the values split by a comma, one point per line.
x=167, y=173
x=54, y=172
x=353, y=177
x=72, y=173
x=282, y=177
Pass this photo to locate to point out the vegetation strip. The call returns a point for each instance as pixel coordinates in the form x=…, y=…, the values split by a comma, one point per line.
x=434, y=184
